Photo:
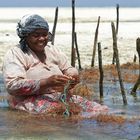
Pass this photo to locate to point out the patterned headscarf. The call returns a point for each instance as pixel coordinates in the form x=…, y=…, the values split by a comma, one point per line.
x=28, y=24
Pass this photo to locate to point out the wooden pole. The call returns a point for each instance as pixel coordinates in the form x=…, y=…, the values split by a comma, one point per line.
x=118, y=62
x=101, y=70
x=73, y=31
x=117, y=26
x=77, y=51
x=54, y=27
x=117, y=19
x=95, y=43
x=133, y=92
x=135, y=59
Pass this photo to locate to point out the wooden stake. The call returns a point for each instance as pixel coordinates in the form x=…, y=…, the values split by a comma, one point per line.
x=73, y=31
x=54, y=27
x=101, y=70
x=117, y=19
x=135, y=59
x=77, y=51
x=117, y=26
x=133, y=92
x=95, y=43
x=118, y=62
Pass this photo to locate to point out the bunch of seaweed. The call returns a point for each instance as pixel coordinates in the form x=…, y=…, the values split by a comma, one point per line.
x=74, y=109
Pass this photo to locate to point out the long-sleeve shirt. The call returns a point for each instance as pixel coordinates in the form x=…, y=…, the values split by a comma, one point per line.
x=22, y=71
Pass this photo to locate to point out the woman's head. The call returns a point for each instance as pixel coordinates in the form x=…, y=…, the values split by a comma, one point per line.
x=32, y=29
x=30, y=23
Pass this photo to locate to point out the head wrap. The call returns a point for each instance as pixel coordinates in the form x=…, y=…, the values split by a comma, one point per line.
x=28, y=24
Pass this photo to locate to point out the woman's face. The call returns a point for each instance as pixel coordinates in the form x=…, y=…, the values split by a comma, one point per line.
x=37, y=40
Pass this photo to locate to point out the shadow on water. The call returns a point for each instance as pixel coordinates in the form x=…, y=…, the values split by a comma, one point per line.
x=15, y=125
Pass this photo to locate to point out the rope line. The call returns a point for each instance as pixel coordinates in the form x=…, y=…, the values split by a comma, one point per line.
x=63, y=99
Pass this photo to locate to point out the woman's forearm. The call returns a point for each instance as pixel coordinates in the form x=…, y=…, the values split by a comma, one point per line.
x=23, y=87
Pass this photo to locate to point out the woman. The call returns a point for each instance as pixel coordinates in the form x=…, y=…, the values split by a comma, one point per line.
x=35, y=73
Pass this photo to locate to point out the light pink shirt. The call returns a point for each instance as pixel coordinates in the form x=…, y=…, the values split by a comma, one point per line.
x=22, y=71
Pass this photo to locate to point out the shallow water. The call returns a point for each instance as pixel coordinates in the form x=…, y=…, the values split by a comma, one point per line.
x=15, y=125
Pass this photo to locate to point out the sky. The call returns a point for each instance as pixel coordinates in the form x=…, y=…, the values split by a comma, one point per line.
x=67, y=3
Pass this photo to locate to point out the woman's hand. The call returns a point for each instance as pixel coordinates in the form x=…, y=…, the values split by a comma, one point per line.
x=74, y=79
x=58, y=82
